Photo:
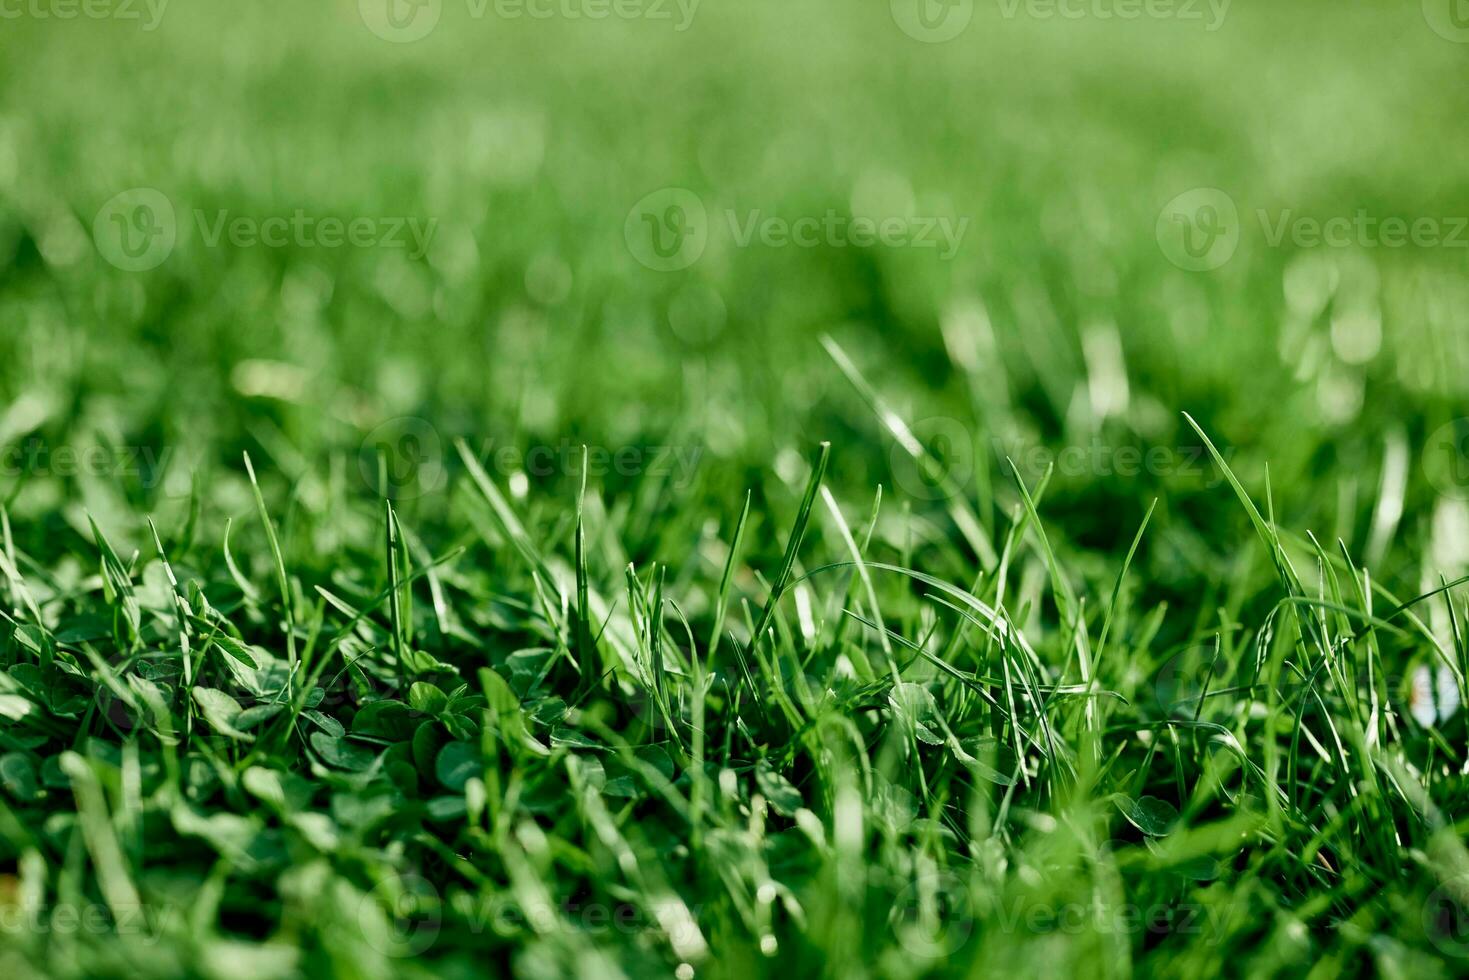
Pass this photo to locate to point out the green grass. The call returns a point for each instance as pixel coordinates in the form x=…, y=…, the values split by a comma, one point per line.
x=833, y=610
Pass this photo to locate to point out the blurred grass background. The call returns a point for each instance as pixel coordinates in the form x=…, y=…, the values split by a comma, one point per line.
x=529, y=320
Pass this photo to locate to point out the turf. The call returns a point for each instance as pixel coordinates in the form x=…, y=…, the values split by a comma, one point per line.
x=493, y=600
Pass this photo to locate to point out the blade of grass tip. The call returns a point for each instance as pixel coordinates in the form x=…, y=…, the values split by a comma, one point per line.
x=1065, y=599
x=1456, y=662
x=405, y=571
x=964, y=518
x=1352, y=669
x=866, y=580
x=118, y=585
x=395, y=604
x=509, y=525
x=655, y=649
x=793, y=545
x=246, y=587
x=1268, y=536
x=1121, y=576
x=721, y=604
x=647, y=628
x=19, y=593
x=358, y=616
x=1374, y=650
x=435, y=587
x=181, y=606
x=1363, y=735
x=185, y=540
x=698, y=691
x=586, y=662
x=1336, y=667
x=282, y=582
x=7, y=556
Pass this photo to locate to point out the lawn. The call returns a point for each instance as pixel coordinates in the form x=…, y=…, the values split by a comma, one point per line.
x=625, y=488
